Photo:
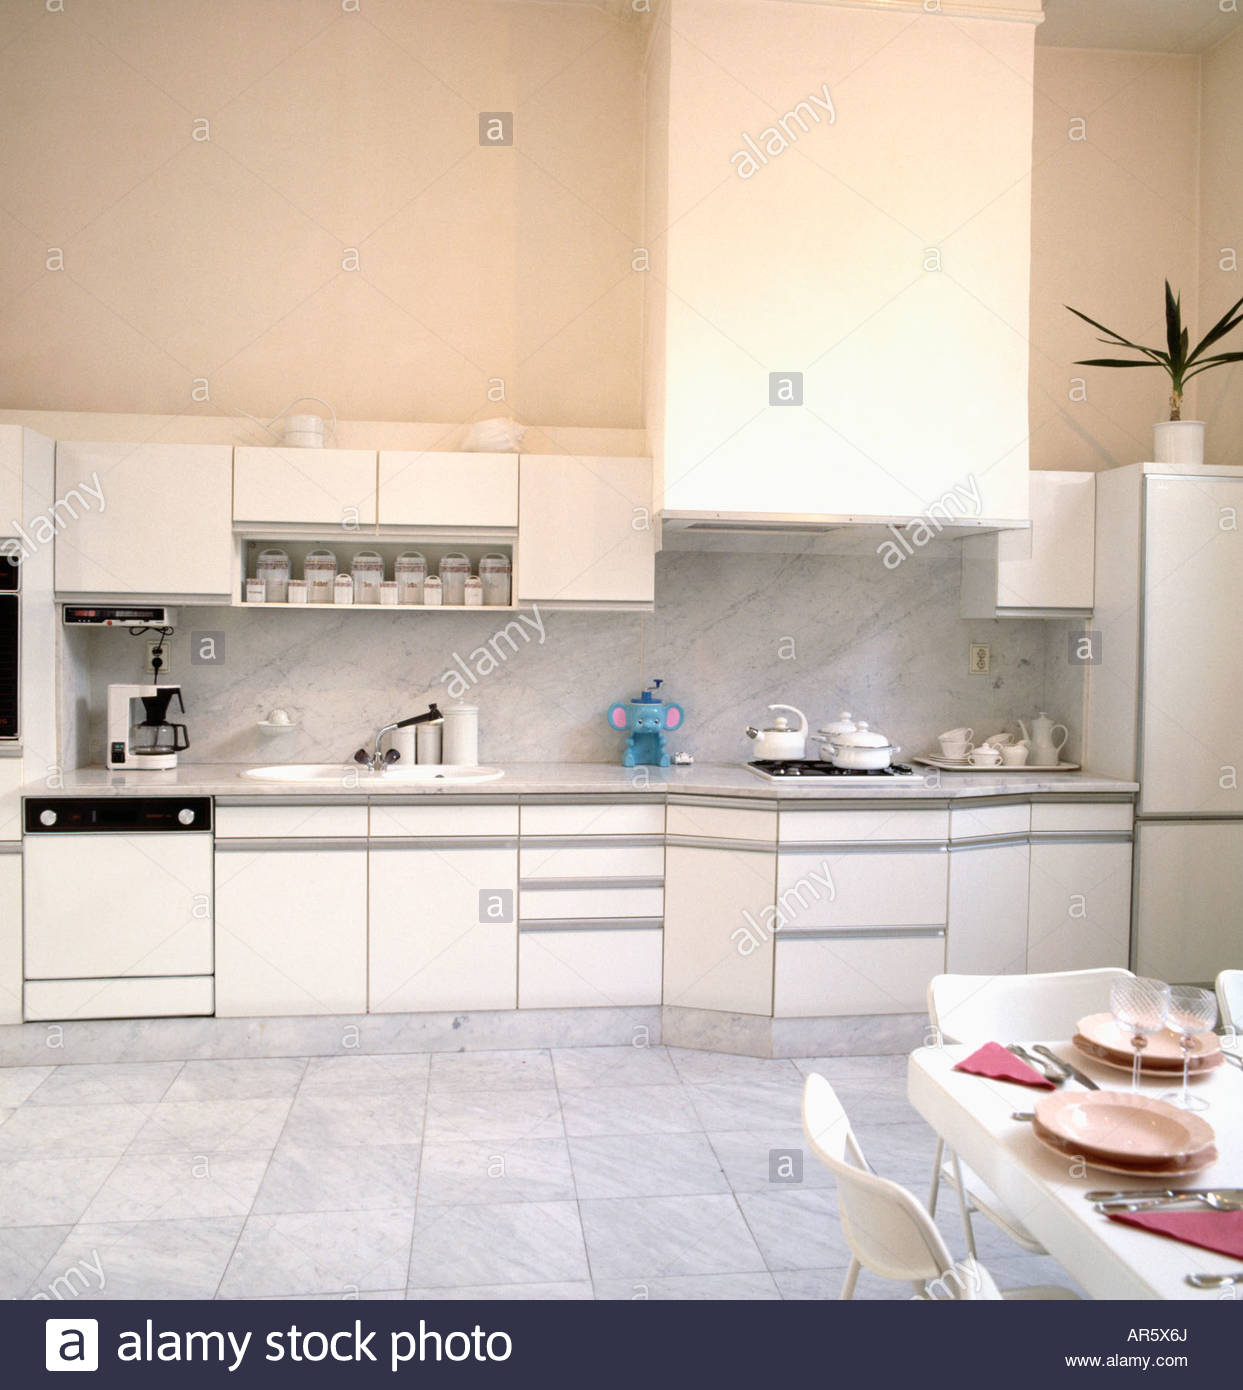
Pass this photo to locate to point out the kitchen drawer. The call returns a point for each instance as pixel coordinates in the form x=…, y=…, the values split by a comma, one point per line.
x=722, y=822
x=855, y=975
x=170, y=997
x=610, y=818
x=970, y=822
x=592, y=968
x=818, y=827
x=620, y=900
x=308, y=822
x=893, y=888
x=1066, y=816
x=436, y=820
x=591, y=861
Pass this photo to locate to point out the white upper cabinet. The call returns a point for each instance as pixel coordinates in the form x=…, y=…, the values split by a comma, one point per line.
x=11, y=448
x=328, y=487
x=434, y=488
x=144, y=520
x=839, y=211
x=585, y=530
x=1046, y=571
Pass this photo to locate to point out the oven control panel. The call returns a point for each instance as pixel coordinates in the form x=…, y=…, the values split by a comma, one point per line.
x=124, y=815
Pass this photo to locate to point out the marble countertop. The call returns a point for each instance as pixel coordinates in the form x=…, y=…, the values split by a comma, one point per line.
x=578, y=779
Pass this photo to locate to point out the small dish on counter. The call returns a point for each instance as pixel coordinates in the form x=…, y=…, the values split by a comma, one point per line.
x=962, y=765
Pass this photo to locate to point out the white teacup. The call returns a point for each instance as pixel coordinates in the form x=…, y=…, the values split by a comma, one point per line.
x=1015, y=755
x=984, y=756
x=959, y=735
x=954, y=748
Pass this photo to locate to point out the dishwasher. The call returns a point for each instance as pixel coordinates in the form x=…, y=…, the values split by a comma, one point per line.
x=118, y=914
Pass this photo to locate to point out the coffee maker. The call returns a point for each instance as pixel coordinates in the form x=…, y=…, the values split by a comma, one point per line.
x=140, y=733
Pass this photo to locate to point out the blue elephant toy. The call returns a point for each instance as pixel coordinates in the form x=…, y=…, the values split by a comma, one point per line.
x=647, y=718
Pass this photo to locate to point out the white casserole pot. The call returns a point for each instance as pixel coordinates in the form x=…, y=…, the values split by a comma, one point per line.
x=864, y=750
x=780, y=741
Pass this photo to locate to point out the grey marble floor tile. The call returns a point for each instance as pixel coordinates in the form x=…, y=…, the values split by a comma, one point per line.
x=320, y=1252
x=747, y=1105
x=490, y=1071
x=147, y=1259
x=392, y=1074
x=518, y=1170
x=581, y=1068
x=768, y=1160
x=493, y=1116
x=49, y=1191
x=24, y=1250
x=889, y=1067
x=61, y=1131
x=686, y=1287
x=630, y=1110
x=901, y=1152
x=341, y=1178
x=106, y=1084
x=1027, y=1271
x=796, y=1230
x=377, y=1117
x=877, y=1101
x=519, y=1293
x=343, y=1296
x=654, y=1237
x=211, y=1126
x=19, y=1083
x=644, y=1165
x=177, y=1187
x=497, y=1243
x=249, y=1078
x=820, y=1285
x=697, y=1068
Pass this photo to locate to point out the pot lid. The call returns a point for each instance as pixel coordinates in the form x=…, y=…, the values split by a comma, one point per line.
x=780, y=725
x=843, y=724
x=862, y=737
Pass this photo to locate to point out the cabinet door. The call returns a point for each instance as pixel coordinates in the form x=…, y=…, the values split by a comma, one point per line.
x=877, y=973
x=718, y=929
x=589, y=967
x=12, y=444
x=448, y=489
x=988, y=910
x=585, y=530
x=443, y=930
x=1189, y=887
x=291, y=932
x=1079, y=906
x=10, y=938
x=163, y=529
x=325, y=486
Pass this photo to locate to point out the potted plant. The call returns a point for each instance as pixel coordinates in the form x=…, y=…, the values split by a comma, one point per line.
x=1174, y=440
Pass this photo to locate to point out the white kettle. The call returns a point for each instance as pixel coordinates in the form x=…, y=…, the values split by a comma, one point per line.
x=780, y=741
x=1045, y=748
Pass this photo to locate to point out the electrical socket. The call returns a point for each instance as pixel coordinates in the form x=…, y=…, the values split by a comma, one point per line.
x=977, y=658
x=166, y=654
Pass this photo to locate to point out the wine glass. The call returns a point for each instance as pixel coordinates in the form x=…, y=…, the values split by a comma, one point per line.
x=1139, y=1006
x=1189, y=1011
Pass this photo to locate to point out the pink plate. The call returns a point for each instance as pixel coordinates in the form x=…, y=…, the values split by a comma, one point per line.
x=1123, y=1126
x=1110, y=1043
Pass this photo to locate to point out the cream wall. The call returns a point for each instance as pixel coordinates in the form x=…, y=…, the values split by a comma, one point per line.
x=1221, y=241
x=1113, y=215
x=223, y=258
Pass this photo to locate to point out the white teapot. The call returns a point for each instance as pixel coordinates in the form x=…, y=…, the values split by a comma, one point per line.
x=1045, y=748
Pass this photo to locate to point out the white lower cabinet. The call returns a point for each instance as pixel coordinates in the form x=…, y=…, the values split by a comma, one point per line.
x=719, y=910
x=988, y=910
x=443, y=934
x=291, y=930
x=10, y=937
x=1079, y=905
x=883, y=972
x=589, y=967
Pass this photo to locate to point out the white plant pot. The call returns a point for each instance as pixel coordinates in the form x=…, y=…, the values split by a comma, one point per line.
x=1178, y=441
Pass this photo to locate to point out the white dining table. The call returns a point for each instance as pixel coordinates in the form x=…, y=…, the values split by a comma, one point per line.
x=1045, y=1190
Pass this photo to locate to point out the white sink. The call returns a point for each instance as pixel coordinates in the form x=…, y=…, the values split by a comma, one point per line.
x=353, y=775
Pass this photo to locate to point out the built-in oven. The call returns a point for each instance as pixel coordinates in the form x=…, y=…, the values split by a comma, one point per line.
x=10, y=647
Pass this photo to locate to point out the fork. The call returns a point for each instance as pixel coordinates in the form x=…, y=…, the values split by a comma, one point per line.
x=1057, y=1077
x=1215, y=1281
x=1213, y=1200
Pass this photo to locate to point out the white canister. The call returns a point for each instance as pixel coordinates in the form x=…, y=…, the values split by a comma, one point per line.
x=256, y=591
x=461, y=736
x=273, y=568
x=433, y=591
x=343, y=589
x=427, y=743
x=410, y=570
x=403, y=741
x=472, y=594
x=297, y=591
x=367, y=571
x=494, y=572
x=388, y=593
x=320, y=571
x=454, y=569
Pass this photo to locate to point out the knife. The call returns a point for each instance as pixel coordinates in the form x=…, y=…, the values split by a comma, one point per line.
x=1157, y=1194
x=1184, y=1202
x=1066, y=1066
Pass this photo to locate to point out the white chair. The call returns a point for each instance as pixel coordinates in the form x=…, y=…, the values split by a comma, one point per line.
x=1000, y=1008
x=888, y=1231
x=1230, y=998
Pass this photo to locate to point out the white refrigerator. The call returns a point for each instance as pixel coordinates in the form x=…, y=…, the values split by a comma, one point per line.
x=1165, y=700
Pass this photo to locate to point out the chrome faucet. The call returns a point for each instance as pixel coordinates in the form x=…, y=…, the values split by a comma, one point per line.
x=377, y=761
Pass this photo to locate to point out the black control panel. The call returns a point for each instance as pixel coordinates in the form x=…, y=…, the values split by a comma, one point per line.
x=118, y=815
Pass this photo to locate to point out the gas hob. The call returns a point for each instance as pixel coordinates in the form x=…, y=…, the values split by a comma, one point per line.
x=812, y=769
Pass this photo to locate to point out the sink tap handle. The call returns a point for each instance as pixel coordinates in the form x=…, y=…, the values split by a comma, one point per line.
x=392, y=756
x=362, y=756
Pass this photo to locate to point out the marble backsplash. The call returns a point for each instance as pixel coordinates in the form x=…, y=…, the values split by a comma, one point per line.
x=730, y=634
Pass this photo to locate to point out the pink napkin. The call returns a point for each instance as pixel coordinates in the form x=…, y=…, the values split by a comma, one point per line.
x=1210, y=1230
x=993, y=1060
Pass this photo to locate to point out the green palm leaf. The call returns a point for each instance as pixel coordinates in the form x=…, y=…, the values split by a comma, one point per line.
x=1230, y=319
